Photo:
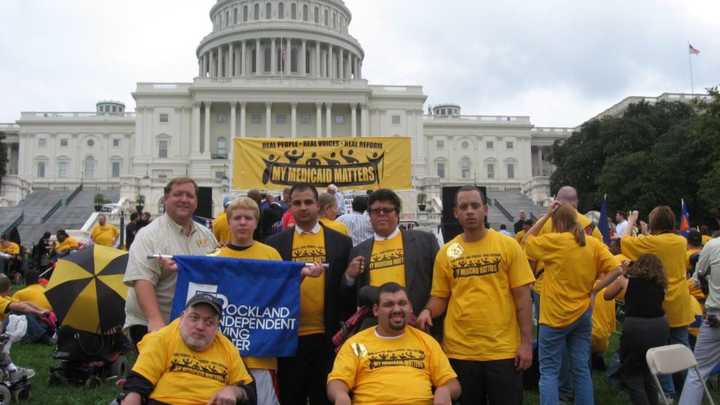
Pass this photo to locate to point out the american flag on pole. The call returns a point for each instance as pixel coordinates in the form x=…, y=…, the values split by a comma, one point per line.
x=693, y=50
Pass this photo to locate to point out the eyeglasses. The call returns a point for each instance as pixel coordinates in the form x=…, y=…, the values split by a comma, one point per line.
x=384, y=211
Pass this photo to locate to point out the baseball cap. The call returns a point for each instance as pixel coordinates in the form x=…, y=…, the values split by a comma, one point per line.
x=208, y=299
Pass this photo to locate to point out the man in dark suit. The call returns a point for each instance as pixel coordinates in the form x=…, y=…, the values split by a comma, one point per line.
x=393, y=254
x=304, y=376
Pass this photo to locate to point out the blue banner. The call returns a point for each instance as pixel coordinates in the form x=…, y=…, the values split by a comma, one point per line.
x=261, y=300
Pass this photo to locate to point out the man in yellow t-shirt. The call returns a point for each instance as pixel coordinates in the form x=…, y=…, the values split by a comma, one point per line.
x=393, y=362
x=328, y=213
x=65, y=243
x=482, y=282
x=220, y=225
x=189, y=362
x=10, y=260
x=34, y=292
x=303, y=377
x=103, y=233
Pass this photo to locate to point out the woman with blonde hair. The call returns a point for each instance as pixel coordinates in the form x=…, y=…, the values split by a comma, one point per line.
x=328, y=213
x=572, y=265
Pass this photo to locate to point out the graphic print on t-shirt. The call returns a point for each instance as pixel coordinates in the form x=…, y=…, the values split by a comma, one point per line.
x=183, y=363
x=388, y=258
x=475, y=265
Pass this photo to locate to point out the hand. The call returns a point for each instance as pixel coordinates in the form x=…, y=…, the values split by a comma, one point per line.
x=424, y=320
x=167, y=265
x=633, y=217
x=228, y=396
x=356, y=266
x=554, y=206
x=625, y=266
x=155, y=324
x=442, y=397
x=314, y=270
x=644, y=228
x=524, y=356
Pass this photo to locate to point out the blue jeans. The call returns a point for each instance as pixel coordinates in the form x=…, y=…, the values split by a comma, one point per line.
x=677, y=336
x=554, y=342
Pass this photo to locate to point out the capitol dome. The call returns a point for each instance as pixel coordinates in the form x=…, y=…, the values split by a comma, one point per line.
x=273, y=38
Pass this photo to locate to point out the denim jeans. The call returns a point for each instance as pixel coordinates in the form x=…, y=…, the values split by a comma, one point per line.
x=677, y=336
x=554, y=342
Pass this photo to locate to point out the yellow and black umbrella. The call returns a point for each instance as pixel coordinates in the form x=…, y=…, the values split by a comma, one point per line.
x=86, y=289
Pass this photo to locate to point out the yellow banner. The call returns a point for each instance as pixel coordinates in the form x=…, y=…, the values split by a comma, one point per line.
x=359, y=163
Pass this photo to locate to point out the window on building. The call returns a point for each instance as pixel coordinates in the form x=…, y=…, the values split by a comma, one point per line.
x=115, y=168
x=491, y=171
x=220, y=118
x=41, y=168
x=281, y=10
x=268, y=58
x=90, y=164
x=305, y=118
x=340, y=119
x=245, y=14
x=164, y=118
x=63, y=166
x=293, y=11
x=396, y=120
x=256, y=118
x=334, y=20
x=510, y=170
x=327, y=18
x=90, y=143
x=489, y=145
x=63, y=143
x=441, y=169
x=439, y=144
x=509, y=145
x=280, y=118
x=221, y=146
x=465, y=145
x=235, y=16
x=268, y=11
x=256, y=12
x=163, y=149
x=220, y=175
x=465, y=167
x=42, y=142
x=305, y=12
x=116, y=143
x=317, y=15
x=227, y=18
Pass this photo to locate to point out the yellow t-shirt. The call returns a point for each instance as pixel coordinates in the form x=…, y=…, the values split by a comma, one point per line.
x=182, y=376
x=570, y=273
x=336, y=226
x=520, y=235
x=4, y=302
x=104, y=234
x=257, y=251
x=477, y=277
x=590, y=230
x=603, y=323
x=12, y=248
x=387, y=261
x=671, y=249
x=68, y=244
x=33, y=293
x=310, y=248
x=221, y=229
x=400, y=370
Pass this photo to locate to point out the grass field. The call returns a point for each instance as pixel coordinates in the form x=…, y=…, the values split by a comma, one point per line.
x=39, y=358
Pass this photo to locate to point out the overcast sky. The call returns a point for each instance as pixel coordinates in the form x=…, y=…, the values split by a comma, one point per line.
x=560, y=62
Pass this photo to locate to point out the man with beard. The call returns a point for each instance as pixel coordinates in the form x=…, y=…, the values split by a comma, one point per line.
x=393, y=362
x=189, y=361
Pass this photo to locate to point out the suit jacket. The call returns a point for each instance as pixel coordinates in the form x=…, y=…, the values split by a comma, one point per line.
x=337, y=251
x=419, y=249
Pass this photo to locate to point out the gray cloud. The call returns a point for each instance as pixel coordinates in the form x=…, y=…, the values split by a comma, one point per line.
x=560, y=62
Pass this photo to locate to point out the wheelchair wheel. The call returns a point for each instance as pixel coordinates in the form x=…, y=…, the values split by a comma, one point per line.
x=118, y=368
x=5, y=395
x=24, y=394
x=93, y=382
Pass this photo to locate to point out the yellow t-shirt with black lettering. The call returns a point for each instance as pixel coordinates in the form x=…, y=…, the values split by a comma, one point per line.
x=477, y=277
x=671, y=249
x=104, y=234
x=33, y=293
x=182, y=376
x=310, y=248
x=570, y=274
x=257, y=251
x=12, y=248
x=221, y=229
x=392, y=370
x=387, y=261
x=336, y=226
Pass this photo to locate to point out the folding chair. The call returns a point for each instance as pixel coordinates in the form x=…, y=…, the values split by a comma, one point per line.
x=671, y=359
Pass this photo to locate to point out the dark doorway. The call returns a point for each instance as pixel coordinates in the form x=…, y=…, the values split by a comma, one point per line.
x=449, y=225
x=205, y=202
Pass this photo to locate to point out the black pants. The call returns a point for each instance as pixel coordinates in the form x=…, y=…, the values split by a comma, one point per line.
x=304, y=376
x=136, y=334
x=639, y=335
x=494, y=382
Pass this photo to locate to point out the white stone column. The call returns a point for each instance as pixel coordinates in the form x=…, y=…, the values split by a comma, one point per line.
x=353, y=120
x=211, y=64
x=302, y=61
x=364, y=121
x=200, y=66
x=273, y=57
x=293, y=120
x=331, y=64
x=360, y=76
x=288, y=56
x=540, y=157
x=317, y=60
x=341, y=64
x=206, y=151
x=220, y=62
x=243, y=59
x=231, y=60
x=231, y=139
x=207, y=64
x=258, y=71
x=318, y=120
x=243, y=120
x=196, y=129
x=233, y=120
x=268, y=119
x=328, y=120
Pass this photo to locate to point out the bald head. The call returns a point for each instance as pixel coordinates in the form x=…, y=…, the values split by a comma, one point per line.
x=567, y=195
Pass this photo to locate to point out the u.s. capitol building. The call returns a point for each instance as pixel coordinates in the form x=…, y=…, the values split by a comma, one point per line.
x=278, y=68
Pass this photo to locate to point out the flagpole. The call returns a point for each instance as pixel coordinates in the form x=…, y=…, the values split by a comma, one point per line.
x=692, y=79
